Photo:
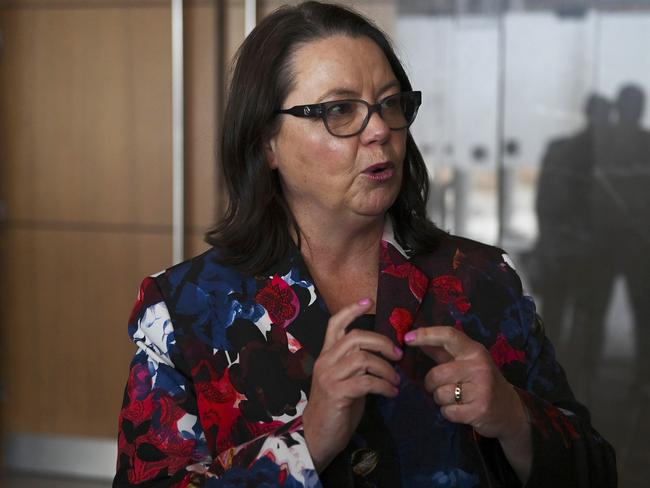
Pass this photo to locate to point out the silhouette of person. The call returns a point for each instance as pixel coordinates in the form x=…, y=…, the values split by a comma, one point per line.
x=621, y=246
x=564, y=190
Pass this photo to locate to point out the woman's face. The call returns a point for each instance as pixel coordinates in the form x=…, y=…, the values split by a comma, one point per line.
x=324, y=176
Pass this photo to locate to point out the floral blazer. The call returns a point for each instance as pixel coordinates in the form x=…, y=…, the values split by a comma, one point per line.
x=222, y=375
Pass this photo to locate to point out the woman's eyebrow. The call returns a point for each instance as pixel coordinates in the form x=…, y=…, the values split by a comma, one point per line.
x=341, y=93
x=338, y=93
x=389, y=85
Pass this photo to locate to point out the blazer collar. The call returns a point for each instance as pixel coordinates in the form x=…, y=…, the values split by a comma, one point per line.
x=389, y=238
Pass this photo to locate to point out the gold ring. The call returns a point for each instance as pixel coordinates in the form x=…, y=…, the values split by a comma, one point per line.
x=458, y=393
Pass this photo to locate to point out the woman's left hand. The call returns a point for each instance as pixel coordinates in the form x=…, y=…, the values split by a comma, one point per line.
x=486, y=400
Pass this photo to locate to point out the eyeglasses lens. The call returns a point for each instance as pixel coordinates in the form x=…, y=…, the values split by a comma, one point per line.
x=345, y=118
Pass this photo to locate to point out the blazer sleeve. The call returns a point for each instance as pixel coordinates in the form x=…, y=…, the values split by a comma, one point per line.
x=567, y=451
x=161, y=439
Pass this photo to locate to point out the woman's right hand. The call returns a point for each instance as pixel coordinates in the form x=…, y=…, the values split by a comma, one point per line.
x=349, y=367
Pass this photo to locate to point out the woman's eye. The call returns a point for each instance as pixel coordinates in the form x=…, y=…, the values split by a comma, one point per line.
x=341, y=108
x=391, y=102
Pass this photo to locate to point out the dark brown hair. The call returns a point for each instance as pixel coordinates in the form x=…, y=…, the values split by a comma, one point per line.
x=255, y=231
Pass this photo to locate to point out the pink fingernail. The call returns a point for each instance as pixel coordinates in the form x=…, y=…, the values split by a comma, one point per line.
x=364, y=301
x=410, y=336
x=398, y=351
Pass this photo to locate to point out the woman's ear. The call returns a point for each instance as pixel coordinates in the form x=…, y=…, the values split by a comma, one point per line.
x=270, y=151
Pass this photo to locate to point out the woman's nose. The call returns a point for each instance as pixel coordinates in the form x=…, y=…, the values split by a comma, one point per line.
x=376, y=131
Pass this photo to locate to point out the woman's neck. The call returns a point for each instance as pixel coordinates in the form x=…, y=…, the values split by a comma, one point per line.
x=331, y=246
x=343, y=260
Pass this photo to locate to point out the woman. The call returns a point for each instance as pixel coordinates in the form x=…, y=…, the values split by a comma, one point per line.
x=333, y=336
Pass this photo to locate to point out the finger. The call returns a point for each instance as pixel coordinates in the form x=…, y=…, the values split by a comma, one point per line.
x=362, y=363
x=368, y=341
x=340, y=320
x=459, y=414
x=360, y=386
x=455, y=342
x=446, y=395
x=462, y=370
x=437, y=353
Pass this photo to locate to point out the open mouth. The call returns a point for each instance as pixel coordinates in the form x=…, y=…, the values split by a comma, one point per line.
x=380, y=171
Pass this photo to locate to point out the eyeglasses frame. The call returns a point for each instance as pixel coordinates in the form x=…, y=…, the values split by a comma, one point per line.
x=317, y=110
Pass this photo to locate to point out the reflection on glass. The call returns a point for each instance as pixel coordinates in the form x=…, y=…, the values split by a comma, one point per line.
x=573, y=173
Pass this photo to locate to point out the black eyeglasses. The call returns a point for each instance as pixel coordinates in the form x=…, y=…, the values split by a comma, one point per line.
x=347, y=118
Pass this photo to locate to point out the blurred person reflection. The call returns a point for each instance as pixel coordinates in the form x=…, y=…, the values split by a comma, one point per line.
x=621, y=216
x=565, y=219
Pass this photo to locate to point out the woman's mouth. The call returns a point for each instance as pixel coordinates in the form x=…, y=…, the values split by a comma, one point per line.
x=380, y=171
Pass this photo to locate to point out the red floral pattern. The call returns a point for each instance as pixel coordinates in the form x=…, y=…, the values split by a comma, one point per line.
x=138, y=410
x=280, y=301
x=401, y=320
x=162, y=438
x=449, y=290
x=418, y=281
x=548, y=419
x=216, y=398
x=148, y=294
x=503, y=353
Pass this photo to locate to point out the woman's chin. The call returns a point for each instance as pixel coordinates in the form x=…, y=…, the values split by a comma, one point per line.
x=377, y=208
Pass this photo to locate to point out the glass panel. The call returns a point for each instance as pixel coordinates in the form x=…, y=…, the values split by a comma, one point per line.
x=564, y=88
x=457, y=124
x=578, y=213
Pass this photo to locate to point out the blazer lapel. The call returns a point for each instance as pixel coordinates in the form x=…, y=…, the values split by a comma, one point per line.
x=400, y=292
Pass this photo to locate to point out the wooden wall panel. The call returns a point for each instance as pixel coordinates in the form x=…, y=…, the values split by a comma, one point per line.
x=65, y=312
x=85, y=128
x=204, y=73
x=213, y=32
x=86, y=113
